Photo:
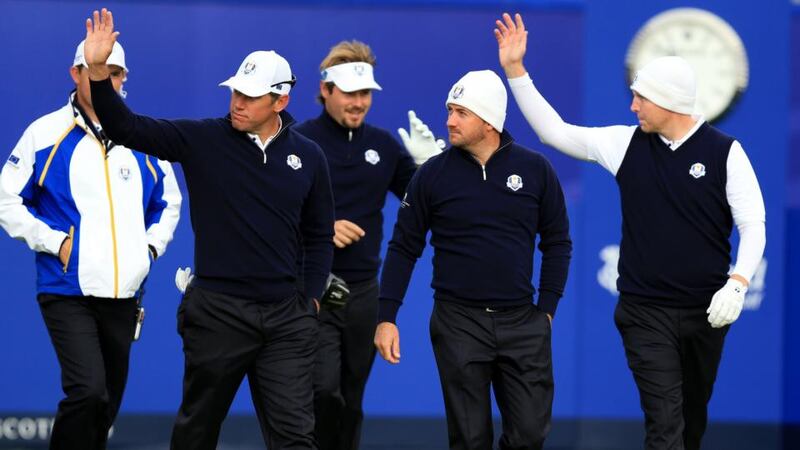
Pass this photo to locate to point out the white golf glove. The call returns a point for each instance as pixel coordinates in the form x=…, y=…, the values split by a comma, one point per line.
x=182, y=278
x=726, y=304
x=419, y=140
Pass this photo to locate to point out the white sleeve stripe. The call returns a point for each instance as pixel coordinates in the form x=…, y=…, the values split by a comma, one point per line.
x=160, y=233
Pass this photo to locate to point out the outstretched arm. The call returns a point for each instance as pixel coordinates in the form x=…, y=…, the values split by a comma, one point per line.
x=605, y=145
x=512, y=41
x=163, y=139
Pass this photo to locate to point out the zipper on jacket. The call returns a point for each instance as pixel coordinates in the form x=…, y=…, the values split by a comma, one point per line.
x=349, y=135
x=113, y=226
x=265, y=155
x=71, y=246
x=483, y=169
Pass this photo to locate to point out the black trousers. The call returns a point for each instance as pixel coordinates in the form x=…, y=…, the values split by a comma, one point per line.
x=506, y=349
x=344, y=358
x=674, y=355
x=226, y=338
x=92, y=339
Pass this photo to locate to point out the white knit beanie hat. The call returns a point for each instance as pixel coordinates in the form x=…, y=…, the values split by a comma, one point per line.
x=668, y=82
x=483, y=93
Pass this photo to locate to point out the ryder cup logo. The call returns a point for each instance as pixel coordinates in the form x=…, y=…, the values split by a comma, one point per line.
x=514, y=182
x=359, y=69
x=124, y=173
x=249, y=67
x=697, y=170
x=458, y=92
x=372, y=156
x=294, y=162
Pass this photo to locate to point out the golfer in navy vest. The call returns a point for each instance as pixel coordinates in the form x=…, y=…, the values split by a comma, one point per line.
x=683, y=185
x=484, y=200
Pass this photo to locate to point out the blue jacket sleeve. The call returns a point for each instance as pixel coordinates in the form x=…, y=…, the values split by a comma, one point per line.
x=405, y=247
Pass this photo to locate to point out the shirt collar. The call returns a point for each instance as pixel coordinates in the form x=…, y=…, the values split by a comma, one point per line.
x=674, y=145
x=263, y=145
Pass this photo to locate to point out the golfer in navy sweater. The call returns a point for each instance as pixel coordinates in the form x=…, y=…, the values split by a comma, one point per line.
x=484, y=200
x=683, y=185
x=257, y=189
x=366, y=163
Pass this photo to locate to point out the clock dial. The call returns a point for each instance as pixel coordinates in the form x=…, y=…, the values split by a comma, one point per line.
x=708, y=43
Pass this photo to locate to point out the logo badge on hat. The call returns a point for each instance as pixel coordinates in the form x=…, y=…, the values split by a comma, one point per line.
x=294, y=162
x=697, y=170
x=372, y=156
x=458, y=92
x=359, y=69
x=249, y=67
x=514, y=182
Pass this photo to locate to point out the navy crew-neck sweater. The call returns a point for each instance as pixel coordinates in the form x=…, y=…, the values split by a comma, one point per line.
x=484, y=221
x=250, y=209
x=676, y=221
x=365, y=163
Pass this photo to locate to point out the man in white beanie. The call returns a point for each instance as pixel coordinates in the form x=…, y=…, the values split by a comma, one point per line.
x=484, y=200
x=677, y=300
x=97, y=214
x=260, y=197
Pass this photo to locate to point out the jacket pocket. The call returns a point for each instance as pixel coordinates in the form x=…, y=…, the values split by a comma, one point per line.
x=71, y=246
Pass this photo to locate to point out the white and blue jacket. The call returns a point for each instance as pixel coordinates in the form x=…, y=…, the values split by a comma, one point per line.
x=60, y=181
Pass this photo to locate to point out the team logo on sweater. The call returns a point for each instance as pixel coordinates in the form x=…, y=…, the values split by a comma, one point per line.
x=697, y=170
x=514, y=182
x=124, y=173
x=372, y=156
x=294, y=162
x=13, y=160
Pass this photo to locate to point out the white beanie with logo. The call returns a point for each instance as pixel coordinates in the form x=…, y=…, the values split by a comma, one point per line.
x=668, y=82
x=483, y=93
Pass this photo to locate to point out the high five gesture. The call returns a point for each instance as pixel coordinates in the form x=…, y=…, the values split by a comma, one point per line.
x=100, y=39
x=512, y=40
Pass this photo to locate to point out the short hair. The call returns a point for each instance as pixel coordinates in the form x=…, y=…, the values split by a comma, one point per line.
x=346, y=52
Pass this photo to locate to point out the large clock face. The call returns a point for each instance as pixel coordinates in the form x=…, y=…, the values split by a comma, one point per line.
x=708, y=43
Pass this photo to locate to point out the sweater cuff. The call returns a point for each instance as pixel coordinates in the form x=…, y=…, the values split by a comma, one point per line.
x=520, y=81
x=548, y=302
x=387, y=310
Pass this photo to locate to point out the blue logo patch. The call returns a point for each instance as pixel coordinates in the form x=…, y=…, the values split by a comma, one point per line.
x=13, y=159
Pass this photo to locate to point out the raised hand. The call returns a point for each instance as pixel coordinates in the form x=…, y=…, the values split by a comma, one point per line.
x=512, y=41
x=100, y=39
x=419, y=140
